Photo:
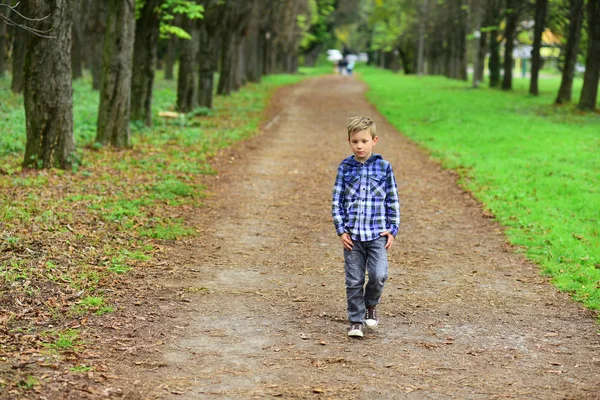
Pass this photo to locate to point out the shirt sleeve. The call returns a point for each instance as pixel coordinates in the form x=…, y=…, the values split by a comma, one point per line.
x=392, y=203
x=337, y=203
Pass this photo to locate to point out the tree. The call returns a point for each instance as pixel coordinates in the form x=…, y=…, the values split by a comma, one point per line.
x=541, y=7
x=95, y=31
x=144, y=58
x=18, y=58
x=421, y=43
x=188, y=61
x=572, y=47
x=80, y=16
x=512, y=17
x=480, y=37
x=235, y=19
x=208, y=33
x=591, y=77
x=320, y=33
x=115, y=92
x=3, y=11
x=47, y=87
x=494, y=17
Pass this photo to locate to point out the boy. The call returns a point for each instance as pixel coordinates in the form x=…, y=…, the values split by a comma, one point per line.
x=366, y=215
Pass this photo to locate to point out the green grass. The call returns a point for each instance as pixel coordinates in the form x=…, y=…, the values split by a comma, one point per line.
x=535, y=166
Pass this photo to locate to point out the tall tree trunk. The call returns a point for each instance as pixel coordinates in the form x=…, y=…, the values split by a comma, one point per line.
x=76, y=42
x=541, y=7
x=225, y=85
x=170, y=58
x=144, y=58
x=424, y=7
x=481, y=53
x=206, y=64
x=18, y=58
x=95, y=33
x=591, y=77
x=494, y=18
x=47, y=91
x=187, y=98
x=509, y=44
x=117, y=63
x=573, y=38
x=3, y=11
x=477, y=60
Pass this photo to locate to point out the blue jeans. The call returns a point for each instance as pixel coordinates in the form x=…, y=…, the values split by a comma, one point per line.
x=364, y=257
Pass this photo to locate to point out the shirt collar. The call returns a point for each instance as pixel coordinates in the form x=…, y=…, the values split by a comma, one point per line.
x=352, y=161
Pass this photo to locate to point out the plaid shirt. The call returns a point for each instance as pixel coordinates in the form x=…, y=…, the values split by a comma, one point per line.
x=365, y=199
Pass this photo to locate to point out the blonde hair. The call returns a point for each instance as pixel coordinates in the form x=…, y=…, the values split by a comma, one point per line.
x=360, y=123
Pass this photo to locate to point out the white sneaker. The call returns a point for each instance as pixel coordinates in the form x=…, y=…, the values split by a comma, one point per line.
x=371, y=319
x=356, y=330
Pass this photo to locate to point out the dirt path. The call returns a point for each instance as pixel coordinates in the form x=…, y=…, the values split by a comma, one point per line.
x=462, y=315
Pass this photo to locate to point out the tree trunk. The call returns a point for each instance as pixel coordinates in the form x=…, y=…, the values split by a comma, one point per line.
x=170, y=58
x=481, y=53
x=206, y=64
x=421, y=41
x=509, y=44
x=144, y=58
x=95, y=32
x=541, y=7
x=76, y=43
x=18, y=58
x=478, y=9
x=3, y=11
x=47, y=91
x=573, y=38
x=117, y=62
x=225, y=86
x=187, y=98
x=591, y=77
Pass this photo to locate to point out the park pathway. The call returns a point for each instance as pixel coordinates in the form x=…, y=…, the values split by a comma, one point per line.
x=462, y=316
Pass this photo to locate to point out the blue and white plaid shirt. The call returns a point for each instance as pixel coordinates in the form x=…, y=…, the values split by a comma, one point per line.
x=365, y=199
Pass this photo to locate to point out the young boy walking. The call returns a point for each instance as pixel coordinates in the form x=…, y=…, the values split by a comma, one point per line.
x=366, y=215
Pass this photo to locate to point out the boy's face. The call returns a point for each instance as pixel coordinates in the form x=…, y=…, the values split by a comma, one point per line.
x=362, y=144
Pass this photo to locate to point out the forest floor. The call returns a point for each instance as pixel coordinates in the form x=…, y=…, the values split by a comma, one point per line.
x=255, y=307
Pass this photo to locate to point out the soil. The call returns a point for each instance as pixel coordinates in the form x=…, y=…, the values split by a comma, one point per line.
x=255, y=307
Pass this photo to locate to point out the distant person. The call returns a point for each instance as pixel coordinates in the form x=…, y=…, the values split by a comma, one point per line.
x=366, y=215
x=350, y=66
x=342, y=64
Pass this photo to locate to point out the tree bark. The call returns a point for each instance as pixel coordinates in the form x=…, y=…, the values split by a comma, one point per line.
x=236, y=17
x=509, y=44
x=494, y=19
x=144, y=58
x=186, y=79
x=591, y=77
x=95, y=32
x=76, y=43
x=477, y=59
x=2, y=45
x=573, y=38
x=170, y=58
x=117, y=61
x=421, y=41
x=47, y=91
x=18, y=58
x=541, y=7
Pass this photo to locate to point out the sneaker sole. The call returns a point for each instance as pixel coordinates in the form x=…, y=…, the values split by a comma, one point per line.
x=355, y=333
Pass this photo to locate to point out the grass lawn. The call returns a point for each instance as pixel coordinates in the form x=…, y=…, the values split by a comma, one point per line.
x=535, y=166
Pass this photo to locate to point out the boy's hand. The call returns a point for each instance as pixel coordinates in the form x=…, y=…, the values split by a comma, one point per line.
x=390, y=239
x=346, y=241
